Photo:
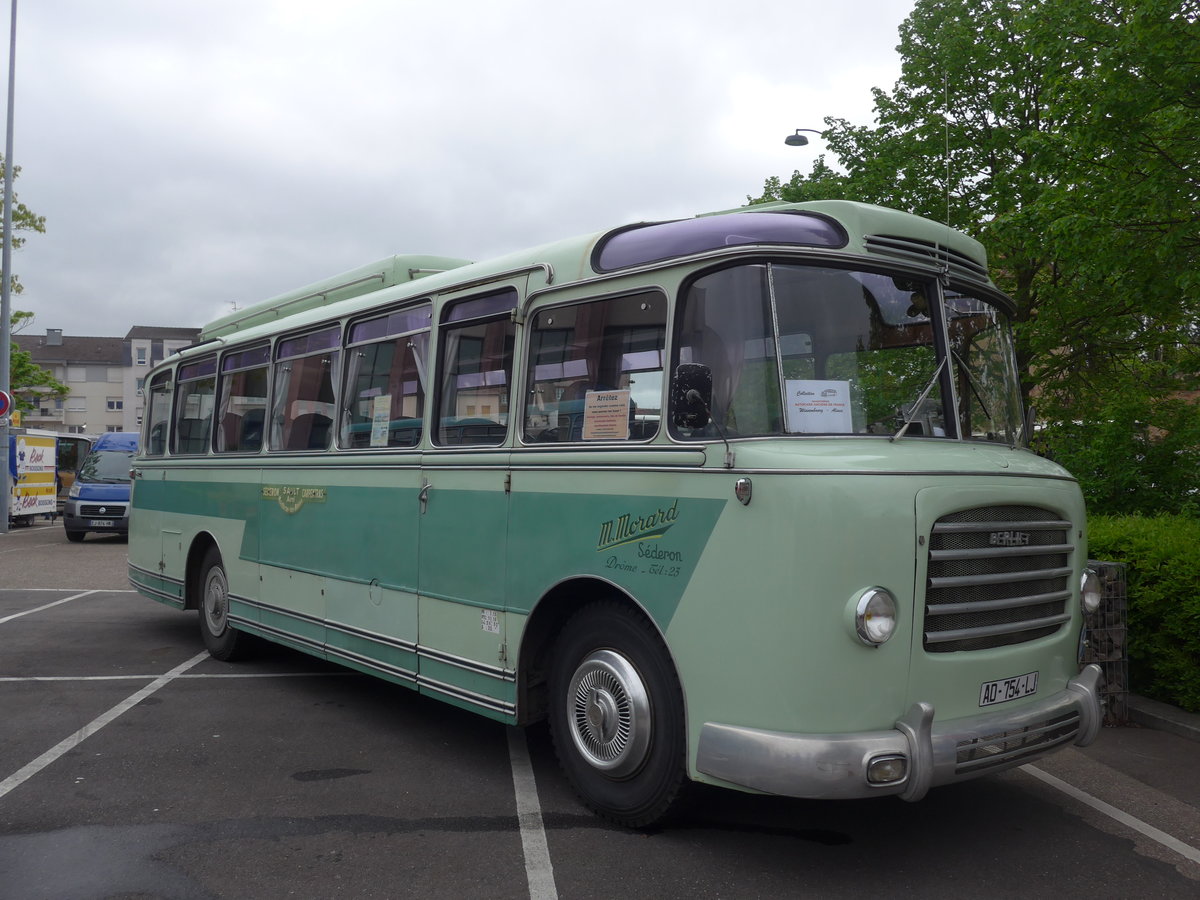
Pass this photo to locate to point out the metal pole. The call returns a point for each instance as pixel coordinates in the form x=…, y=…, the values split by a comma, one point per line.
x=5, y=290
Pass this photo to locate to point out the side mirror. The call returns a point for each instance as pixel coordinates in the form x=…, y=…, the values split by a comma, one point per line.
x=691, y=395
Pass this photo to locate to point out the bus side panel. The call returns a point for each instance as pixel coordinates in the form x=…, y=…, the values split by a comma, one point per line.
x=643, y=532
x=172, y=506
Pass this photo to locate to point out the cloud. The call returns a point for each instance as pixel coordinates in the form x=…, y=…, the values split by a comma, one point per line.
x=190, y=155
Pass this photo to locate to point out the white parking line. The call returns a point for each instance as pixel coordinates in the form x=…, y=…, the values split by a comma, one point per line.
x=539, y=872
x=1187, y=851
x=26, y=772
x=29, y=612
x=5, y=679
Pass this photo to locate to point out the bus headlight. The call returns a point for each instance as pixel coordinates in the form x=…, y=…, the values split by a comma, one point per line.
x=875, y=616
x=1091, y=592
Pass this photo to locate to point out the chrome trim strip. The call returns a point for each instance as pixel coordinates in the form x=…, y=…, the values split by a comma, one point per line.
x=481, y=700
x=372, y=636
x=983, y=527
x=963, y=634
x=1001, y=552
x=288, y=638
x=336, y=654
x=461, y=662
x=160, y=596
x=950, y=609
x=953, y=581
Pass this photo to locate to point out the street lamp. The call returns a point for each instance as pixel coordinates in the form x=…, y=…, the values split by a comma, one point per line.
x=797, y=139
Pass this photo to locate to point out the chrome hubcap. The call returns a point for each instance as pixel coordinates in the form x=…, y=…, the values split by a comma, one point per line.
x=216, y=601
x=609, y=713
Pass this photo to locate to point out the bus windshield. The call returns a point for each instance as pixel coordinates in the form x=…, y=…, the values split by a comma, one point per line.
x=799, y=349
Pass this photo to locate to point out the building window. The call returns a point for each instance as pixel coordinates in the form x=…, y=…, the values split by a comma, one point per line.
x=141, y=356
x=76, y=404
x=76, y=373
x=115, y=404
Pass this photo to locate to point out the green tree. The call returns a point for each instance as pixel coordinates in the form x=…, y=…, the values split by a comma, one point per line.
x=23, y=219
x=1062, y=134
x=27, y=379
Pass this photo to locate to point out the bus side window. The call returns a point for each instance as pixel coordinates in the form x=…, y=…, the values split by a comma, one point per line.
x=158, y=415
x=194, y=400
x=383, y=402
x=241, y=413
x=303, y=391
x=476, y=371
x=596, y=371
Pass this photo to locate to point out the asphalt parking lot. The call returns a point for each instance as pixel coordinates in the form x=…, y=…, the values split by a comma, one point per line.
x=132, y=765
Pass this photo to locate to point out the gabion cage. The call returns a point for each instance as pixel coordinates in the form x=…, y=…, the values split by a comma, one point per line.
x=1106, y=642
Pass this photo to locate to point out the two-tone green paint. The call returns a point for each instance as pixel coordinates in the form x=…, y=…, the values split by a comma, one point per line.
x=351, y=566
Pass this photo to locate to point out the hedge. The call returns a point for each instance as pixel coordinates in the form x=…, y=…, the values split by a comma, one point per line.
x=1162, y=557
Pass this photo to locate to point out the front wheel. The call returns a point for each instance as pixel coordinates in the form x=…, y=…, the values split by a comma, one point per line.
x=616, y=715
x=222, y=640
x=75, y=536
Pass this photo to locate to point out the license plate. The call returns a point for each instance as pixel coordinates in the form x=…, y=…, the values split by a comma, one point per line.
x=100, y=523
x=1006, y=689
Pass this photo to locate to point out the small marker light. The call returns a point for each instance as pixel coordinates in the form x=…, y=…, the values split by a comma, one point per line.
x=887, y=769
x=1091, y=592
x=743, y=490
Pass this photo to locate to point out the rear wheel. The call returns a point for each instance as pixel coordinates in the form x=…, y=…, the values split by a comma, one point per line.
x=616, y=715
x=220, y=637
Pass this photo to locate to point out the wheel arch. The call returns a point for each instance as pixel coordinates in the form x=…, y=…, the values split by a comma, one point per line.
x=546, y=621
x=201, y=544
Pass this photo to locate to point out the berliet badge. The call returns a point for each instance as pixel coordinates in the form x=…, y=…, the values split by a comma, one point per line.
x=1009, y=539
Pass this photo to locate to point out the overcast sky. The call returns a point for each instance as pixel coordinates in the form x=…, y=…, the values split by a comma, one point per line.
x=193, y=155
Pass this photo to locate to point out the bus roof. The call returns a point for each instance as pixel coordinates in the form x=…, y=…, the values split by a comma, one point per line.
x=861, y=228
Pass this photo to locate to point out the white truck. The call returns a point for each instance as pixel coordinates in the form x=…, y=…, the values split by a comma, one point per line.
x=33, y=473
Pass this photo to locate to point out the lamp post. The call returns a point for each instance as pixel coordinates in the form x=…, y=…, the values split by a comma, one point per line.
x=6, y=264
x=797, y=139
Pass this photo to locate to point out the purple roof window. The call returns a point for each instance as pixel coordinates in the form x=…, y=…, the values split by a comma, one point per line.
x=667, y=240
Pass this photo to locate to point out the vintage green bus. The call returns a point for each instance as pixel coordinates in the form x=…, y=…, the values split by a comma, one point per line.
x=740, y=499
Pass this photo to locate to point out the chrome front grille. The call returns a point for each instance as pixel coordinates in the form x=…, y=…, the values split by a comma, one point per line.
x=998, y=575
x=1011, y=748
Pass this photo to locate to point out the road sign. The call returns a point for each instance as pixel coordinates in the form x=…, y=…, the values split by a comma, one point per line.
x=5, y=403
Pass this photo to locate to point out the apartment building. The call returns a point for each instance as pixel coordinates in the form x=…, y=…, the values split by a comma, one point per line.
x=105, y=376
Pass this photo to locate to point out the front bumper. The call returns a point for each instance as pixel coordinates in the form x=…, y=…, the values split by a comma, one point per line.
x=835, y=766
x=74, y=519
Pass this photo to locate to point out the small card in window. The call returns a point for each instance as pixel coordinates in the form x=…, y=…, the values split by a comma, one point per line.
x=606, y=416
x=819, y=407
x=381, y=413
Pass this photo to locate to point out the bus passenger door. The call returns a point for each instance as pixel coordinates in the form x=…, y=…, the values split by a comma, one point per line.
x=462, y=574
x=463, y=507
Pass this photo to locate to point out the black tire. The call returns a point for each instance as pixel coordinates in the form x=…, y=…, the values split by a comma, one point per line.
x=616, y=715
x=76, y=536
x=212, y=599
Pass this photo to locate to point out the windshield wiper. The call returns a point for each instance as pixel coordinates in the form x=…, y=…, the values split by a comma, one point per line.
x=974, y=385
x=912, y=411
